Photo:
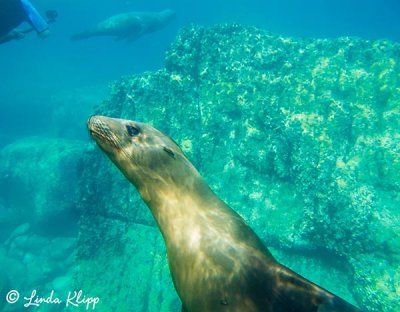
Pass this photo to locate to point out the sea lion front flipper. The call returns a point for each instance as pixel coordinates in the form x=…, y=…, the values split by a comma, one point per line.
x=293, y=291
x=136, y=33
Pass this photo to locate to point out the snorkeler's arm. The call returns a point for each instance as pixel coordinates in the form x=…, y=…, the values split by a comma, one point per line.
x=34, y=18
x=12, y=35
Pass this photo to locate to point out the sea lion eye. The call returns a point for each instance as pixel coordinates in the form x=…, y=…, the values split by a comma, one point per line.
x=132, y=131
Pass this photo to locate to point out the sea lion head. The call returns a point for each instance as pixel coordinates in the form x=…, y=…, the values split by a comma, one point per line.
x=141, y=152
x=167, y=15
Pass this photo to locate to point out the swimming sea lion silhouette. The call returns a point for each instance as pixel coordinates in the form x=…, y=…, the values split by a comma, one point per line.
x=216, y=261
x=130, y=25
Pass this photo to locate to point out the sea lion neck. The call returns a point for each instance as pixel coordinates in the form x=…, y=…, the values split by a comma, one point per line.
x=184, y=199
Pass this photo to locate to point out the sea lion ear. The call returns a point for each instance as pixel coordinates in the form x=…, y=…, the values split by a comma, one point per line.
x=169, y=152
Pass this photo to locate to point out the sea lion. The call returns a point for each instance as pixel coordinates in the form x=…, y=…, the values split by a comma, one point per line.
x=130, y=25
x=216, y=261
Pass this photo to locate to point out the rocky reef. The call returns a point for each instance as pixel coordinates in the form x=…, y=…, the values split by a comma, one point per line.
x=38, y=217
x=299, y=136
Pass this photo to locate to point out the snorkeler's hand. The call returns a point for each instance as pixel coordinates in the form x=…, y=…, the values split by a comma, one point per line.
x=12, y=35
x=44, y=34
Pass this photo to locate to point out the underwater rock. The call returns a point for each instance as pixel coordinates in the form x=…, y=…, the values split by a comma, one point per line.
x=299, y=136
x=65, y=122
x=8, y=221
x=38, y=178
x=4, y=287
x=39, y=181
x=127, y=269
x=38, y=263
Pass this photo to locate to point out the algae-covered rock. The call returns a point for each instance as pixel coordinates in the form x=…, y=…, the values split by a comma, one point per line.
x=39, y=180
x=38, y=216
x=130, y=273
x=4, y=287
x=300, y=136
x=36, y=263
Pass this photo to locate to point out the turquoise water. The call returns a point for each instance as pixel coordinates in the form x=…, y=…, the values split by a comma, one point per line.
x=62, y=231
x=37, y=75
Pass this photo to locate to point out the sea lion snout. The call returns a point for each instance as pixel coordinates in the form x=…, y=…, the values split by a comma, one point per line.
x=92, y=121
x=106, y=132
x=113, y=129
x=89, y=124
x=89, y=120
x=168, y=14
x=97, y=127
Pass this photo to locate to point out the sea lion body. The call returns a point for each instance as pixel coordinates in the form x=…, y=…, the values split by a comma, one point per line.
x=130, y=25
x=216, y=260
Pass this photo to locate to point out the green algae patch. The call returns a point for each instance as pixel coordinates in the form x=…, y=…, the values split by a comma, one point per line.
x=299, y=136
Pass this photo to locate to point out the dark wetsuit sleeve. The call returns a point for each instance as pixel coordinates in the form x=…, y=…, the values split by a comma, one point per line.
x=5, y=39
x=33, y=17
x=11, y=15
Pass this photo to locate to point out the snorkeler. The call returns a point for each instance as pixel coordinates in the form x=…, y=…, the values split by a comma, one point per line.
x=15, y=12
